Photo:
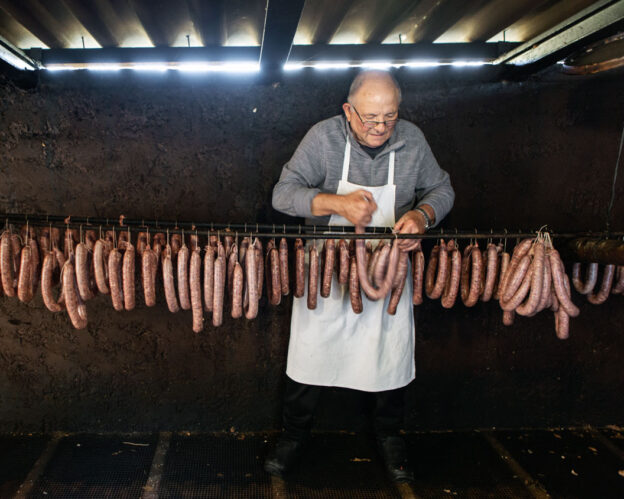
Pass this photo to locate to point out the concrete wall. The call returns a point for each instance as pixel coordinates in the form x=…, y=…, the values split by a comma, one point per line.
x=520, y=155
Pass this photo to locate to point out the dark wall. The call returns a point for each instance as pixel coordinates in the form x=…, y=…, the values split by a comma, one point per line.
x=520, y=155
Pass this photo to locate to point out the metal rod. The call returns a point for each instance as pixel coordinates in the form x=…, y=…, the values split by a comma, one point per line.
x=276, y=230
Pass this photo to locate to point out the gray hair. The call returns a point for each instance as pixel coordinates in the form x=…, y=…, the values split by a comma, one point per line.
x=361, y=77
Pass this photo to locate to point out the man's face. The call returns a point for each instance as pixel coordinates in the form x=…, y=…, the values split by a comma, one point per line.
x=374, y=101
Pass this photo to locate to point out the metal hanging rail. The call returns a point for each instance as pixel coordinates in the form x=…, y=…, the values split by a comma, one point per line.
x=288, y=231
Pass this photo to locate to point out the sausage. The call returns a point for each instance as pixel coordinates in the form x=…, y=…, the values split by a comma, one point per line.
x=149, y=264
x=259, y=265
x=195, y=289
x=380, y=265
x=237, y=291
x=605, y=287
x=418, y=271
x=242, y=251
x=508, y=317
x=128, y=276
x=520, y=294
x=530, y=306
x=168, y=282
x=275, y=291
x=193, y=243
x=123, y=239
x=176, y=243
x=546, y=297
x=115, y=279
x=515, y=277
x=618, y=288
x=209, y=259
x=73, y=303
x=313, y=273
x=558, y=275
x=82, y=271
x=344, y=263
x=354, y=287
x=471, y=275
x=24, y=282
x=432, y=268
x=251, y=289
x=100, y=266
x=212, y=240
x=229, y=242
x=442, y=273
x=360, y=253
x=183, y=281
x=69, y=243
x=504, y=266
x=401, y=272
x=45, y=244
x=562, y=324
x=16, y=246
x=47, y=273
x=518, y=253
x=300, y=268
x=591, y=277
x=219, y=290
x=6, y=264
x=141, y=243
x=373, y=259
x=231, y=260
x=452, y=283
x=328, y=266
x=283, y=259
x=491, y=272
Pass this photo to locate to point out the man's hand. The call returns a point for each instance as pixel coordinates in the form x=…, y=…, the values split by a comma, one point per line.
x=413, y=222
x=357, y=207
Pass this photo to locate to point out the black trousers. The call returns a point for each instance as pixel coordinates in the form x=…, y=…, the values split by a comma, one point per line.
x=300, y=402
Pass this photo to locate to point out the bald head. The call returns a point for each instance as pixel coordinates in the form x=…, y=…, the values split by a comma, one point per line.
x=372, y=81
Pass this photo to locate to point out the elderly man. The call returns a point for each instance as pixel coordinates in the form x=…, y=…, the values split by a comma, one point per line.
x=367, y=167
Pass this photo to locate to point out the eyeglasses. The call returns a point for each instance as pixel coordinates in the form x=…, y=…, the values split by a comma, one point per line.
x=373, y=124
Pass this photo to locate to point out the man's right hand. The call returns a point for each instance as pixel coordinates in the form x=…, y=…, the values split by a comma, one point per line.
x=357, y=207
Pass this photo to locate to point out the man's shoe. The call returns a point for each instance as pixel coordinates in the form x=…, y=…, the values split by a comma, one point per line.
x=394, y=453
x=284, y=456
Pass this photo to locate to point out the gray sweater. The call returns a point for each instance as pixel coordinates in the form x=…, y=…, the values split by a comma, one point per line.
x=316, y=166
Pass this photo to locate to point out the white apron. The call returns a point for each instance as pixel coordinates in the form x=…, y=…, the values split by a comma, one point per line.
x=331, y=345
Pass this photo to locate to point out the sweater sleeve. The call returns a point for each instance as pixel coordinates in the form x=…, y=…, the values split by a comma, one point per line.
x=301, y=178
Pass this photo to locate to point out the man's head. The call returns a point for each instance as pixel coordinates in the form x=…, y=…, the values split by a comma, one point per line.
x=373, y=96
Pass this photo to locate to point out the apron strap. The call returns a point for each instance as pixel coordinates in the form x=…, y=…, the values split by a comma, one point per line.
x=391, y=169
x=345, y=161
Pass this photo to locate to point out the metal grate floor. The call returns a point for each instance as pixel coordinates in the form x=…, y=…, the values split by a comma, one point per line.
x=498, y=464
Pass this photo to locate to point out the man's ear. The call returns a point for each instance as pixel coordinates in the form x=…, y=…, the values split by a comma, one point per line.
x=346, y=107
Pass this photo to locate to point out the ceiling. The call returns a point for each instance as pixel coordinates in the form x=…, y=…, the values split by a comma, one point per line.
x=314, y=28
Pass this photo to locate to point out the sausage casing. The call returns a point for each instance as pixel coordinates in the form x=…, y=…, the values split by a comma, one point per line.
x=195, y=289
x=313, y=275
x=183, y=280
x=354, y=287
x=299, y=268
x=149, y=264
x=283, y=258
x=115, y=280
x=328, y=267
x=168, y=280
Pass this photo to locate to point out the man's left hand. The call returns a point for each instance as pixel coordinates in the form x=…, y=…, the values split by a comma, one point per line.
x=412, y=222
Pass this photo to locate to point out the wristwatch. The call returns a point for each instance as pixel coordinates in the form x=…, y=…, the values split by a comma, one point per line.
x=427, y=219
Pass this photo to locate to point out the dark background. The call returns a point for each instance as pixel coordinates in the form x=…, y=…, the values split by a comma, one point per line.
x=520, y=154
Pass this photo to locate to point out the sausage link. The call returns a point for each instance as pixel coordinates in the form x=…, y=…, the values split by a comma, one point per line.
x=442, y=273
x=354, y=287
x=491, y=272
x=313, y=274
x=508, y=317
x=432, y=267
x=515, y=277
x=418, y=271
x=452, y=283
x=6, y=264
x=504, y=266
x=237, y=291
x=385, y=287
x=229, y=242
x=251, y=288
x=115, y=279
x=176, y=243
x=183, y=281
x=168, y=281
x=141, y=243
x=128, y=276
x=193, y=243
x=299, y=268
x=259, y=266
x=275, y=296
x=231, y=260
x=520, y=294
x=82, y=271
x=518, y=253
x=558, y=274
x=47, y=273
x=344, y=264
x=380, y=266
x=283, y=259
x=100, y=265
x=24, y=282
x=591, y=278
x=209, y=258
x=529, y=307
x=605, y=287
x=149, y=264
x=562, y=324
x=395, y=297
x=69, y=243
x=195, y=289
x=618, y=288
x=546, y=297
x=219, y=290
x=328, y=267
x=474, y=290
x=16, y=246
x=373, y=260
x=45, y=244
x=75, y=309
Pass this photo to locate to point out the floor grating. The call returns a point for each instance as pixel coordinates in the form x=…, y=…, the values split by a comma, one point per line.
x=566, y=463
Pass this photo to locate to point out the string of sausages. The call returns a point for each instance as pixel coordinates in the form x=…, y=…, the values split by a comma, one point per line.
x=228, y=275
